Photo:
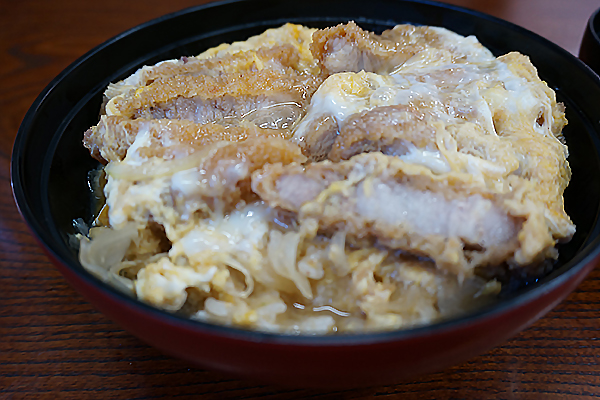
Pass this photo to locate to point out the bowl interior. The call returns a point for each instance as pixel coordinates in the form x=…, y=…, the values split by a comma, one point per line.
x=50, y=165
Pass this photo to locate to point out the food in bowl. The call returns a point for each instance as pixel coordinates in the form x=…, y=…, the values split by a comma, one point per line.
x=317, y=181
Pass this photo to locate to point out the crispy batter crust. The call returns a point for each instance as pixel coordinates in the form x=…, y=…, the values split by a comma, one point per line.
x=251, y=155
x=267, y=82
x=382, y=129
x=112, y=137
x=348, y=48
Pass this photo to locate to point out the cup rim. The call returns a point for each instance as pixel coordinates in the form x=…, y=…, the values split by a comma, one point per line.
x=592, y=22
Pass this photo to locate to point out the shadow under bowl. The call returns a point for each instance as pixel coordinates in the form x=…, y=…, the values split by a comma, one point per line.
x=50, y=167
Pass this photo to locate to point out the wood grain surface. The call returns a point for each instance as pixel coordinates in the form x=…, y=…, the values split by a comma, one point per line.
x=54, y=345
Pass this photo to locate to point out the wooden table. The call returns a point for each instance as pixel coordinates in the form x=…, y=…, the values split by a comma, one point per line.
x=53, y=344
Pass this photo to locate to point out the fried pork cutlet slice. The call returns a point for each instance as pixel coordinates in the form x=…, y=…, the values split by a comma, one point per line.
x=419, y=137
x=280, y=48
x=348, y=48
x=377, y=198
x=279, y=58
x=388, y=129
x=207, y=178
x=339, y=96
x=205, y=98
x=446, y=94
x=111, y=138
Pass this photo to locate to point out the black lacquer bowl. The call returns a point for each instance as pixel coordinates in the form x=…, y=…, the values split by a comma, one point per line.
x=49, y=169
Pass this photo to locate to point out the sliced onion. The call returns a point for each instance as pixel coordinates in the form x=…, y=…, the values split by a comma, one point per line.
x=276, y=116
x=230, y=261
x=282, y=251
x=337, y=253
x=105, y=251
x=217, y=307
